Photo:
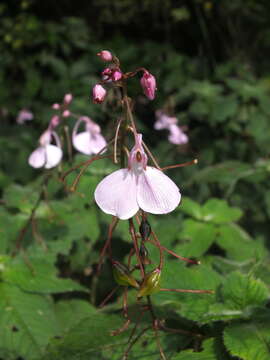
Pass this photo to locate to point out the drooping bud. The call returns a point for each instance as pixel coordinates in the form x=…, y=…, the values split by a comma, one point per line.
x=150, y=284
x=145, y=229
x=66, y=113
x=99, y=94
x=105, y=55
x=148, y=83
x=117, y=75
x=144, y=255
x=122, y=275
x=55, y=106
x=67, y=99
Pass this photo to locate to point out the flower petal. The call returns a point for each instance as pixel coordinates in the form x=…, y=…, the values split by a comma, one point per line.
x=37, y=158
x=156, y=192
x=97, y=143
x=116, y=194
x=82, y=142
x=53, y=156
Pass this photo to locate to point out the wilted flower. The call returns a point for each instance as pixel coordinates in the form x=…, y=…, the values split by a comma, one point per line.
x=89, y=141
x=148, y=83
x=46, y=154
x=124, y=191
x=24, y=115
x=99, y=94
x=105, y=55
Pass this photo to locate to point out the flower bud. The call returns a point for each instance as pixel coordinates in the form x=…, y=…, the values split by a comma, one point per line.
x=66, y=113
x=67, y=99
x=117, y=75
x=144, y=255
x=150, y=284
x=148, y=83
x=122, y=275
x=55, y=120
x=145, y=229
x=56, y=106
x=105, y=55
x=99, y=94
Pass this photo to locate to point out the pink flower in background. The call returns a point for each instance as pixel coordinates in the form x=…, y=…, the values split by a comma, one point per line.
x=148, y=83
x=68, y=99
x=23, y=116
x=163, y=121
x=105, y=55
x=139, y=186
x=46, y=155
x=99, y=94
x=89, y=141
x=176, y=134
x=54, y=122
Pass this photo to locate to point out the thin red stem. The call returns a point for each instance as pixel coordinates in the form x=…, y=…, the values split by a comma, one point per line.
x=192, y=162
x=135, y=241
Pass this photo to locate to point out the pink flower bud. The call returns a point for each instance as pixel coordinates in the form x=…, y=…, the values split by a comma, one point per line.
x=66, y=113
x=55, y=120
x=117, y=75
x=148, y=83
x=55, y=106
x=106, y=74
x=105, y=55
x=99, y=94
x=67, y=99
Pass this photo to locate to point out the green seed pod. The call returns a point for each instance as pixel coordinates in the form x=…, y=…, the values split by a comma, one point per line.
x=144, y=255
x=122, y=275
x=145, y=229
x=151, y=283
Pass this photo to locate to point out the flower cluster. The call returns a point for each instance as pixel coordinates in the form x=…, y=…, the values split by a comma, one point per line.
x=88, y=142
x=113, y=74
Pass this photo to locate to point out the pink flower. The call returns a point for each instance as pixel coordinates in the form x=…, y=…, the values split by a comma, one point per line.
x=89, y=141
x=99, y=94
x=67, y=99
x=148, y=83
x=46, y=154
x=176, y=135
x=164, y=121
x=56, y=106
x=125, y=191
x=66, y=113
x=54, y=122
x=105, y=55
x=24, y=115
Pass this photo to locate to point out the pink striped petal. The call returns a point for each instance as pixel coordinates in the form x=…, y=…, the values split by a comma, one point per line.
x=116, y=194
x=81, y=142
x=53, y=156
x=37, y=158
x=156, y=192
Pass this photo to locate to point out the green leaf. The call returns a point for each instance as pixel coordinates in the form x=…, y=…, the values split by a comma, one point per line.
x=192, y=208
x=218, y=211
x=20, y=197
x=249, y=341
x=242, y=291
x=28, y=322
x=199, y=236
x=208, y=352
x=38, y=275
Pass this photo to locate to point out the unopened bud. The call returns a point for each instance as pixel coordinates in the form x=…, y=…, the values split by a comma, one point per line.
x=55, y=120
x=150, y=284
x=144, y=255
x=67, y=99
x=66, y=113
x=55, y=106
x=148, y=83
x=117, y=75
x=99, y=94
x=122, y=275
x=105, y=55
x=145, y=229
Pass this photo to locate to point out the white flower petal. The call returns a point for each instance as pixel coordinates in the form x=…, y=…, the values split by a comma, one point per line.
x=82, y=142
x=38, y=158
x=156, y=192
x=97, y=143
x=53, y=156
x=116, y=194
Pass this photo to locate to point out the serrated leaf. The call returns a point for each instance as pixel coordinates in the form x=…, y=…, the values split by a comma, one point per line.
x=249, y=341
x=27, y=321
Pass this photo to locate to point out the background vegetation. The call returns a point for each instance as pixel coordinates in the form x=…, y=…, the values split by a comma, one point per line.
x=210, y=59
